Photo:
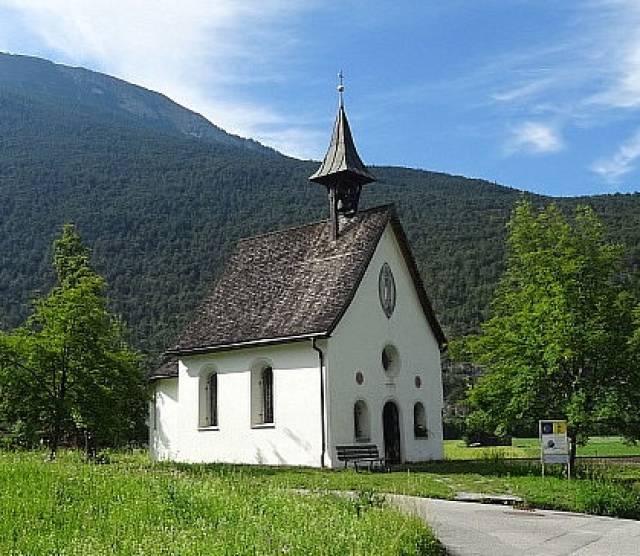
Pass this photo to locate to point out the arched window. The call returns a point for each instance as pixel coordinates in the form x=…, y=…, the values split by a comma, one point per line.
x=419, y=421
x=154, y=409
x=361, y=421
x=267, y=395
x=208, y=398
x=213, y=400
x=262, y=412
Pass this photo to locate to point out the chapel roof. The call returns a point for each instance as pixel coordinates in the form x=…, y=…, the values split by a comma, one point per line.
x=168, y=368
x=290, y=285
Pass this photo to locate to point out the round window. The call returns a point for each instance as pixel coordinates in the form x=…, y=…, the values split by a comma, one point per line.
x=390, y=360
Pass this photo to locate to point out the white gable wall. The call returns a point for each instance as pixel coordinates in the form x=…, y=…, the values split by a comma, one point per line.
x=356, y=345
x=293, y=439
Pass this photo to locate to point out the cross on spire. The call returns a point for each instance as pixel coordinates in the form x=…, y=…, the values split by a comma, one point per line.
x=341, y=88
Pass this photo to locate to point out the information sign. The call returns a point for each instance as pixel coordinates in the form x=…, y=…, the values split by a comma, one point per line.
x=554, y=444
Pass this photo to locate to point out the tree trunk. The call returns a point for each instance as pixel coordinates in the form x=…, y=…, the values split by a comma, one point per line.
x=57, y=430
x=87, y=455
x=59, y=407
x=53, y=447
x=90, y=446
x=54, y=441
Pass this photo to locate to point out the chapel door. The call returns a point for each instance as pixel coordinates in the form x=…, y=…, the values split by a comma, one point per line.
x=391, y=428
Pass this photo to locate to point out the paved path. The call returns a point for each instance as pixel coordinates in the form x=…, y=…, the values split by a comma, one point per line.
x=470, y=529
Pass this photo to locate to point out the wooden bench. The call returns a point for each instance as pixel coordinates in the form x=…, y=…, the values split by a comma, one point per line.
x=360, y=453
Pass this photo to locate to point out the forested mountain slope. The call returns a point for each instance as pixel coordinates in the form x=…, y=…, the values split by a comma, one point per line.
x=76, y=90
x=161, y=210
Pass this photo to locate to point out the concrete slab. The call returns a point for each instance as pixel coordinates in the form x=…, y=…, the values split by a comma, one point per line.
x=504, y=499
x=471, y=529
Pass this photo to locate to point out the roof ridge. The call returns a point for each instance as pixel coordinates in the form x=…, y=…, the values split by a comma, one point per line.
x=379, y=208
x=281, y=230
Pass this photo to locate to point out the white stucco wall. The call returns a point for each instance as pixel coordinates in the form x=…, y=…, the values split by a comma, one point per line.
x=294, y=438
x=164, y=415
x=357, y=344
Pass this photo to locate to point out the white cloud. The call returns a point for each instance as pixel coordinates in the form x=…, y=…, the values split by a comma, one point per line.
x=300, y=143
x=534, y=138
x=624, y=92
x=588, y=76
x=621, y=163
x=619, y=54
x=520, y=92
x=199, y=53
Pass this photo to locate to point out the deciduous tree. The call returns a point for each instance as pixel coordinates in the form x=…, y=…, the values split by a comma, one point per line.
x=558, y=342
x=68, y=371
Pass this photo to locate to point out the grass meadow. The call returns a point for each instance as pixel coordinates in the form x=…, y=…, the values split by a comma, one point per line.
x=598, y=488
x=131, y=506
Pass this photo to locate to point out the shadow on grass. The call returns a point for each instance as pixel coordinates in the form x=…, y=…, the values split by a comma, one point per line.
x=486, y=467
x=483, y=467
x=284, y=476
x=597, y=489
x=244, y=470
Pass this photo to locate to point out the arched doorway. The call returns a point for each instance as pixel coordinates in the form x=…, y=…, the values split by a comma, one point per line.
x=391, y=428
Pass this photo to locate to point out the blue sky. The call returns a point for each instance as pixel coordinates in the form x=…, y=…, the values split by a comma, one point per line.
x=540, y=95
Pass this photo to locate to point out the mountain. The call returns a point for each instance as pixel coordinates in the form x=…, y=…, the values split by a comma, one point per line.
x=79, y=89
x=162, y=206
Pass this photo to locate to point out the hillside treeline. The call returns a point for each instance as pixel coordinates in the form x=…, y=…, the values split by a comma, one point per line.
x=161, y=213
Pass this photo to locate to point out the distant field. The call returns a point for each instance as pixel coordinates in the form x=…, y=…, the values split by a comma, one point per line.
x=598, y=446
x=134, y=507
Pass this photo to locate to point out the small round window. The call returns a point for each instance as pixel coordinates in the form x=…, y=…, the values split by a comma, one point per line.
x=390, y=360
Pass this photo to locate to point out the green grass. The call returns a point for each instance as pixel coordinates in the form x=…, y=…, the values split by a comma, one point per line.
x=604, y=489
x=598, y=446
x=133, y=507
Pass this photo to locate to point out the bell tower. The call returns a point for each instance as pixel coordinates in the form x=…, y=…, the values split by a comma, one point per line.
x=342, y=171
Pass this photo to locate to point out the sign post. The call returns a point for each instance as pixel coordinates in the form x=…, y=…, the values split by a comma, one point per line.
x=554, y=444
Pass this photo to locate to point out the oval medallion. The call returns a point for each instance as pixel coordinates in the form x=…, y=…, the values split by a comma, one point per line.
x=387, y=290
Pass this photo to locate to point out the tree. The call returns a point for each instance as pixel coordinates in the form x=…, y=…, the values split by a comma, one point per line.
x=558, y=342
x=68, y=371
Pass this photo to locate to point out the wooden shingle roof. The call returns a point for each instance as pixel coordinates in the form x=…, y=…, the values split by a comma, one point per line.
x=290, y=285
x=168, y=368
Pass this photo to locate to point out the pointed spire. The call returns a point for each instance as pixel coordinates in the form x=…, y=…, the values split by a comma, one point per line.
x=342, y=162
x=342, y=172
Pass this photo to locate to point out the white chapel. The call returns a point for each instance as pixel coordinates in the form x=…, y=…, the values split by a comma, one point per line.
x=313, y=337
